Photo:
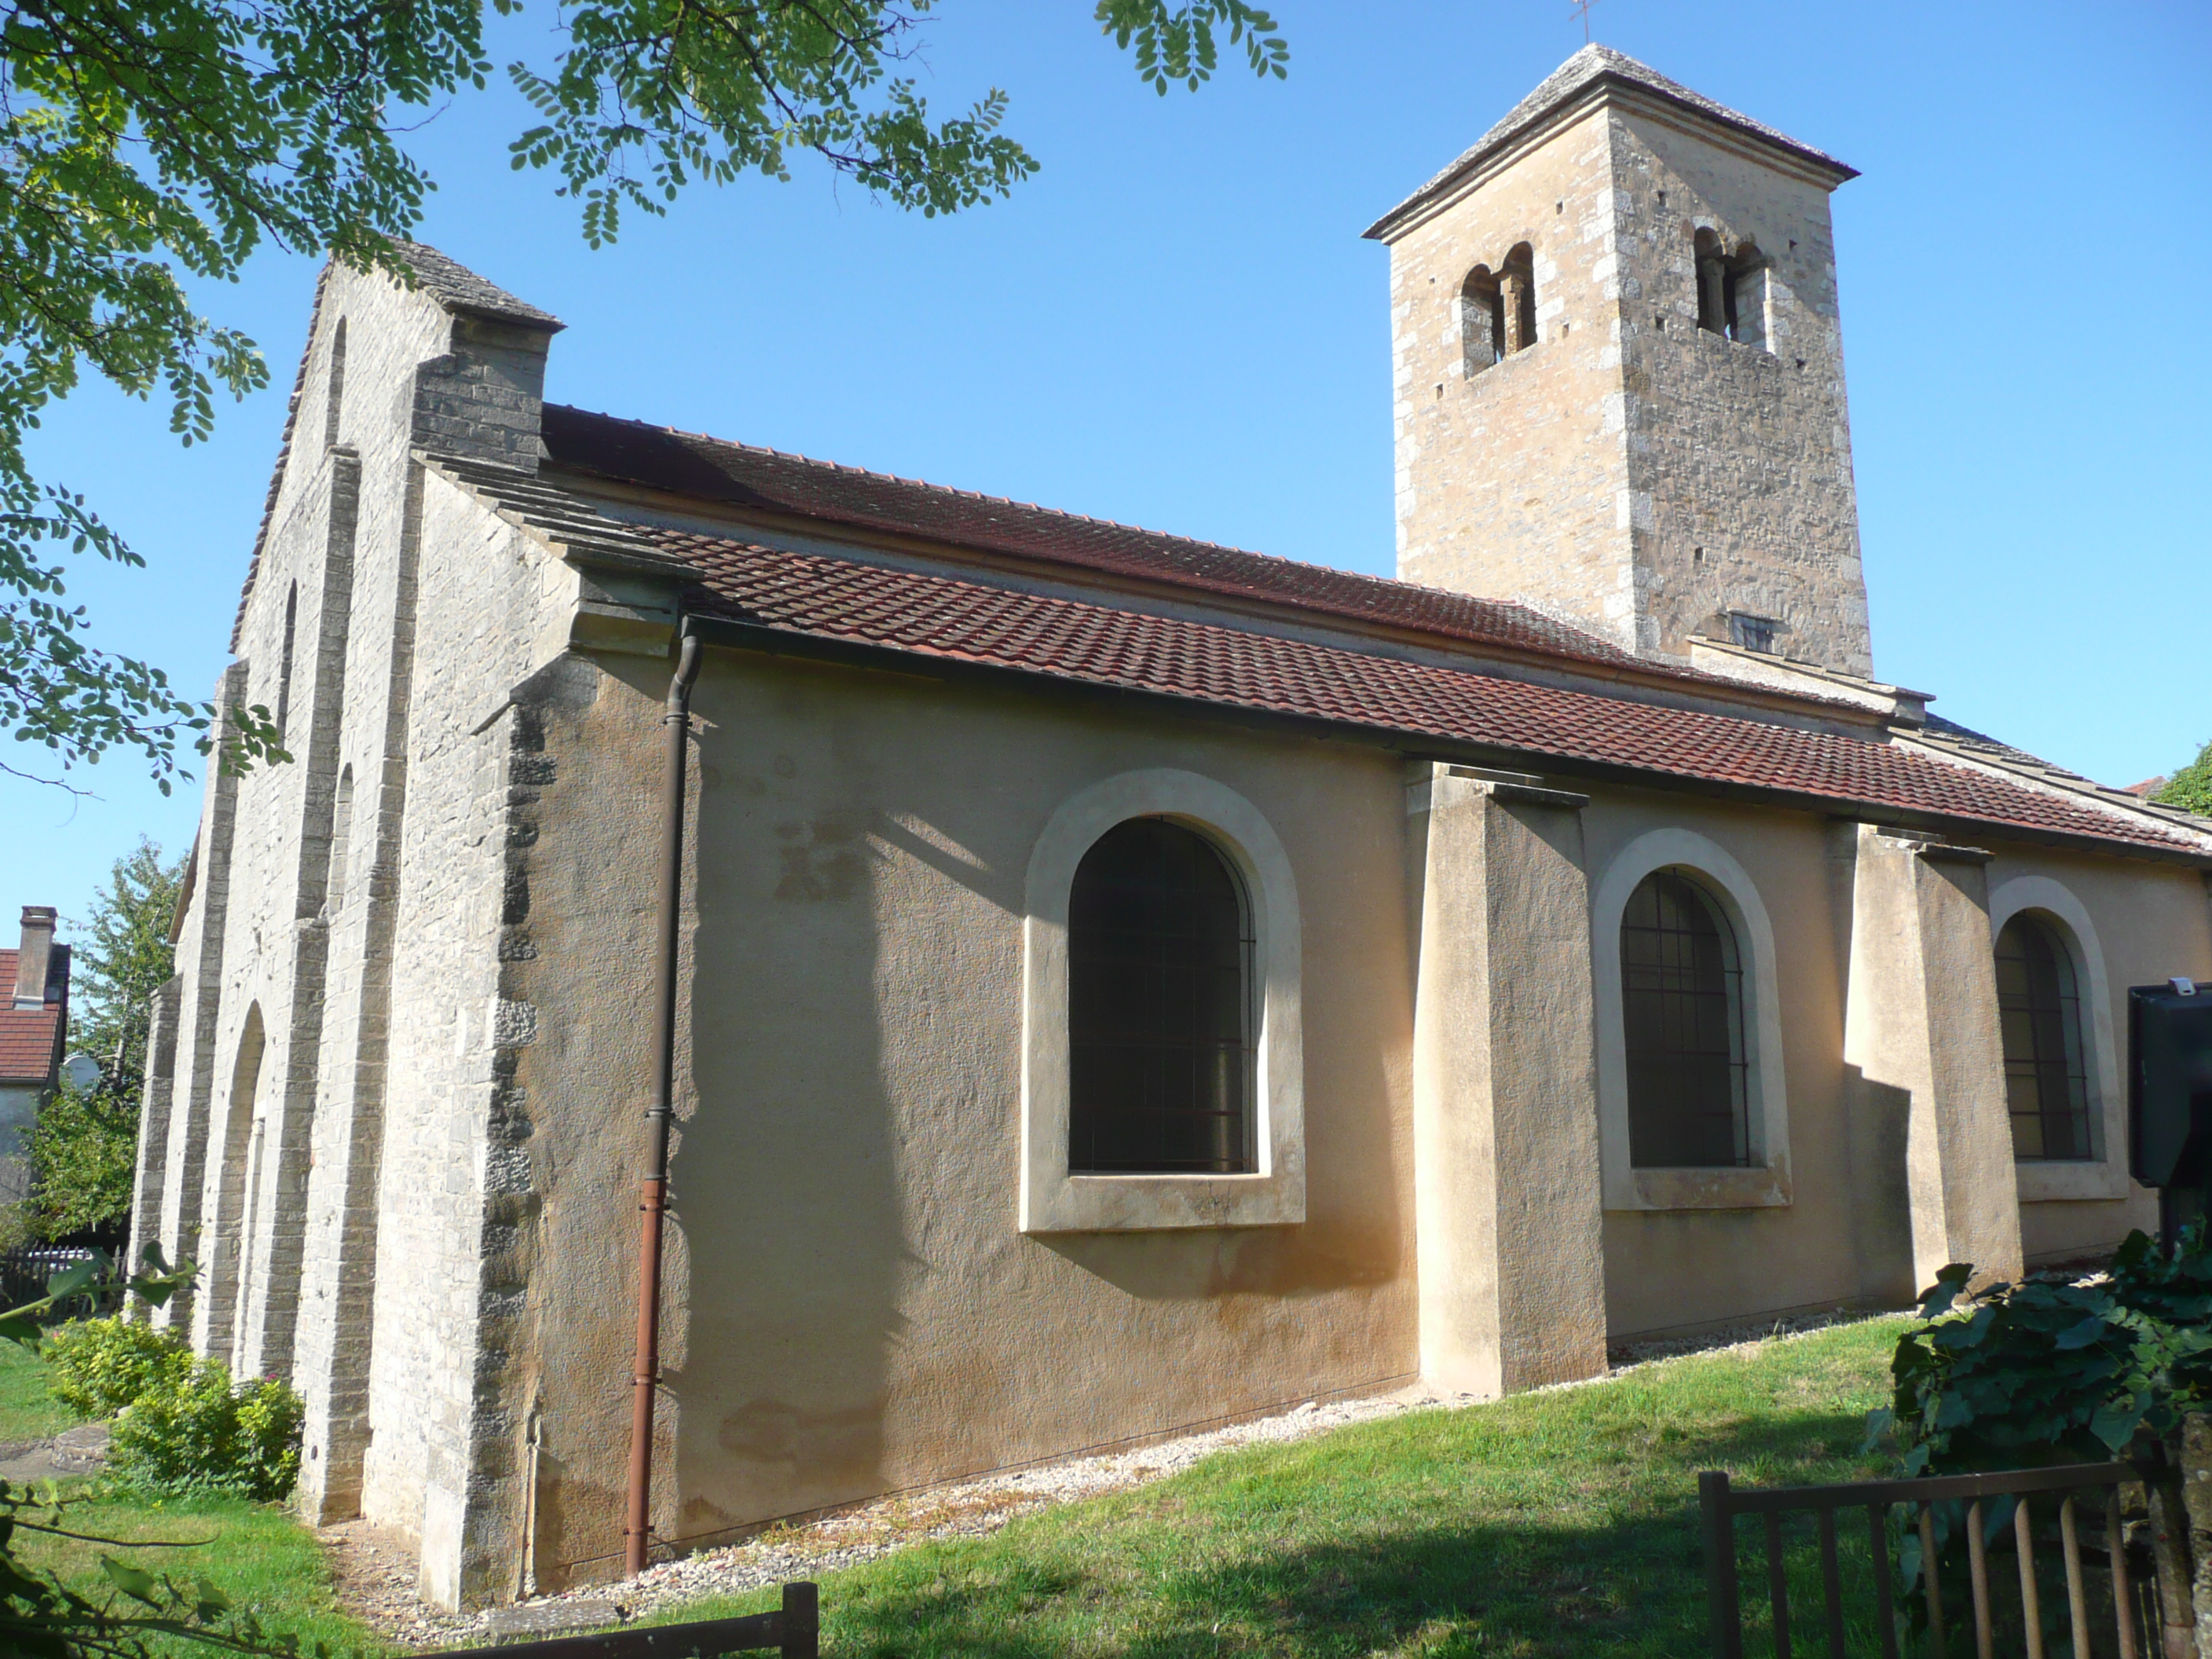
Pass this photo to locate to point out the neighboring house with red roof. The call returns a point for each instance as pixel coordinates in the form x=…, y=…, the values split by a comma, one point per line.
x=1125, y=982
x=33, y=1025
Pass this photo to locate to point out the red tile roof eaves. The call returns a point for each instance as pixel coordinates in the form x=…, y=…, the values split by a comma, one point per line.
x=950, y=618
x=29, y=1037
x=634, y=452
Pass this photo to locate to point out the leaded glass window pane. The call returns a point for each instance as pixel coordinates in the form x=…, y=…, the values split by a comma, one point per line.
x=1160, y=1017
x=1682, y=1007
x=2039, y=1014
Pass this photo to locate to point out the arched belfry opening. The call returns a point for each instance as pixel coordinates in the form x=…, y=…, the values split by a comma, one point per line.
x=1517, y=283
x=1481, y=320
x=1731, y=289
x=1498, y=309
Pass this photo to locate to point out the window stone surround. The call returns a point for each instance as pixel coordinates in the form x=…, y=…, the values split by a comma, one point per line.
x=1766, y=1183
x=1051, y=1199
x=2105, y=1177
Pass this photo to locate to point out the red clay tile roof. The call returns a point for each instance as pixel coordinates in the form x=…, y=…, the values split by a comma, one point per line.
x=951, y=619
x=768, y=480
x=30, y=1038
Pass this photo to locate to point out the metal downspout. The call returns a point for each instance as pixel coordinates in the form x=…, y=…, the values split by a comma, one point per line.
x=637, y=1529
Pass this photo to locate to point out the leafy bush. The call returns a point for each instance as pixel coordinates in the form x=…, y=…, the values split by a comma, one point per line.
x=198, y=1431
x=98, y=1366
x=2046, y=1371
x=2190, y=788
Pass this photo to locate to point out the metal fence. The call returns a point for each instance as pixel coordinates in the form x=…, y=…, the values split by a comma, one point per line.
x=794, y=1630
x=2086, y=1496
x=25, y=1269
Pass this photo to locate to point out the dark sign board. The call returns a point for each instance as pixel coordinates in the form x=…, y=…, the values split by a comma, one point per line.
x=2170, y=1083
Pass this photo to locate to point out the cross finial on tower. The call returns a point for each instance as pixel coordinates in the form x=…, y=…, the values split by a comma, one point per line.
x=1581, y=10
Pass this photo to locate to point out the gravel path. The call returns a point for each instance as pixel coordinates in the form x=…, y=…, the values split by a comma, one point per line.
x=375, y=1569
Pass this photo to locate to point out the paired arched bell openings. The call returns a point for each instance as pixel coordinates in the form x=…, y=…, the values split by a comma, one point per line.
x=1498, y=309
x=1690, y=1100
x=1732, y=289
x=1162, y=1075
x=2054, y=1022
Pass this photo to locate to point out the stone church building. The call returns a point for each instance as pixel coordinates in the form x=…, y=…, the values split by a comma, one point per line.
x=1125, y=982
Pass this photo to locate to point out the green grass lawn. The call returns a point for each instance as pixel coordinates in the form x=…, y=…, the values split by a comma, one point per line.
x=28, y=1411
x=258, y=1554
x=1563, y=1523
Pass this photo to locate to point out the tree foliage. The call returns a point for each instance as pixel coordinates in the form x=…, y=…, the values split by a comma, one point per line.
x=2190, y=788
x=142, y=1612
x=84, y=1146
x=2047, y=1370
x=147, y=146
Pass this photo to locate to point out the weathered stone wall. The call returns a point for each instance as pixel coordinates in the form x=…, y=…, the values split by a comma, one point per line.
x=1741, y=492
x=272, y=1171
x=1628, y=469
x=1510, y=480
x=455, y=1160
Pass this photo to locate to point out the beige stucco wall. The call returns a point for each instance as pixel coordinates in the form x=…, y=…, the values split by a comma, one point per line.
x=1846, y=1234
x=853, y=1307
x=1667, y=1268
x=2150, y=922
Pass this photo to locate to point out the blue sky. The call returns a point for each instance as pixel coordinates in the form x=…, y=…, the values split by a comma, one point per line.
x=1176, y=323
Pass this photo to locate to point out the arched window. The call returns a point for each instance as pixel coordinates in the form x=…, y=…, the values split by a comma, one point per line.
x=1517, y=283
x=2046, y=1076
x=1481, y=320
x=1681, y=983
x=1731, y=289
x=1160, y=1018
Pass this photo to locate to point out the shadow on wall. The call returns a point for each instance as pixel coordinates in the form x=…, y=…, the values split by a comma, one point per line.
x=784, y=1180
x=1880, y=1117
x=848, y=1190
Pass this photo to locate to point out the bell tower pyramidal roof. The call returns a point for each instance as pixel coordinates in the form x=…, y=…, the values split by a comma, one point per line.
x=1617, y=374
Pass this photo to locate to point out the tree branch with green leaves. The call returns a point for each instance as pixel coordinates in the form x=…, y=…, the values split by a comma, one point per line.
x=148, y=147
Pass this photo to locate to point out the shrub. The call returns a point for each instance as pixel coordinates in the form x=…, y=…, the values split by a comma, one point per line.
x=198, y=1431
x=98, y=1366
x=2050, y=1371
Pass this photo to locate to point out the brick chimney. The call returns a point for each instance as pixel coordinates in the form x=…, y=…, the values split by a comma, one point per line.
x=35, y=956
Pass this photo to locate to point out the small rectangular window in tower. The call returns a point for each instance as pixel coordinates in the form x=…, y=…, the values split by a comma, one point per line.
x=1753, y=632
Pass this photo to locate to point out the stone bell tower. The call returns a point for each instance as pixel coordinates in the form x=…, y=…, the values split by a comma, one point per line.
x=1619, y=374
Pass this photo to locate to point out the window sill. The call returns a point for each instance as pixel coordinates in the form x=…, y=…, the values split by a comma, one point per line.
x=1706, y=1189
x=2068, y=1182
x=1158, y=1203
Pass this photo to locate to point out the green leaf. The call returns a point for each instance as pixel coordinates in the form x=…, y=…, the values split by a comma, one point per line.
x=2115, y=1424
x=134, y=1582
x=76, y=1279
x=2081, y=1335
